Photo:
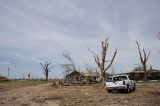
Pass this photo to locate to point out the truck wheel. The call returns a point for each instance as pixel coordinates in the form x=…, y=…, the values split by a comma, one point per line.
x=109, y=91
x=128, y=89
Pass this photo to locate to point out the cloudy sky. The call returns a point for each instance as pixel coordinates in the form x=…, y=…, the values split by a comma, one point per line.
x=34, y=31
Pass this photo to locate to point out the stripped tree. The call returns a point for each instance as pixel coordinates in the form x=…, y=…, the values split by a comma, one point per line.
x=70, y=66
x=46, y=69
x=29, y=76
x=143, y=60
x=101, y=59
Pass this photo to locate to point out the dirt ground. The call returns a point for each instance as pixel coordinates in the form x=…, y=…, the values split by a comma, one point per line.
x=91, y=95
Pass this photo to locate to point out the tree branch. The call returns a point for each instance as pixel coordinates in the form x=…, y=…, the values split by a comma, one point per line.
x=91, y=51
x=157, y=35
x=42, y=66
x=139, y=52
x=111, y=60
x=148, y=56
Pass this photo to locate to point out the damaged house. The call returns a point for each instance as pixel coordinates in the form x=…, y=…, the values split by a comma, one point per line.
x=74, y=77
x=138, y=74
x=77, y=77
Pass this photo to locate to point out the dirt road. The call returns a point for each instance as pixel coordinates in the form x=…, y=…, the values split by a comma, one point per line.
x=91, y=95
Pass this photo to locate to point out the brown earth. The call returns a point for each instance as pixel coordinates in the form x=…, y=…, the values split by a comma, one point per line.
x=92, y=95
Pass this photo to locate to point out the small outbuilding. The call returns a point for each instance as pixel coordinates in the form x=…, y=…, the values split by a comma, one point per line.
x=74, y=77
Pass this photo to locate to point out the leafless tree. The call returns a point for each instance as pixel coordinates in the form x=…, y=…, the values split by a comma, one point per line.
x=101, y=63
x=69, y=67
x=29, y=76
x=143, y=59
x=46, y=69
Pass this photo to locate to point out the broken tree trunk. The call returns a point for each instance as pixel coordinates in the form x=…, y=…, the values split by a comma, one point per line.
x=101, y=63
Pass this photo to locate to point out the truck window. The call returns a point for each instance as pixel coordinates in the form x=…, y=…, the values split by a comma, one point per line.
x=109, y=79
x=119, y=78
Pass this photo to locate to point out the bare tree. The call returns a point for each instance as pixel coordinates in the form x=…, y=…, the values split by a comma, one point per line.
x=29, y=76
x=143, y=59
x=69, y=67
x=101, y=63
x=46, y=69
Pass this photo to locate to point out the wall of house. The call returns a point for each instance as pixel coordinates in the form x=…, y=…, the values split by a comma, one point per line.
x=74, y=78
x=140, y=76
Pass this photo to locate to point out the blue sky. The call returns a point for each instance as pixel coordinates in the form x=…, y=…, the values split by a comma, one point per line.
x=34, y=31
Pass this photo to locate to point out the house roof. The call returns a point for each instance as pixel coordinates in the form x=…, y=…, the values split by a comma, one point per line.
x=72, y=73
x=148, y=71
x=86, y=74
x=90, y=74
x=153, y=71
x=2, y=78
x=139, y=70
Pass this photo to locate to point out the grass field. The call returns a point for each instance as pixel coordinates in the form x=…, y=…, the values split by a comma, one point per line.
x=19, y=83
x=44, y=94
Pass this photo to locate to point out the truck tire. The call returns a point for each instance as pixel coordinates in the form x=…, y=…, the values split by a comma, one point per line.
x=109, y=91
x=128, y=89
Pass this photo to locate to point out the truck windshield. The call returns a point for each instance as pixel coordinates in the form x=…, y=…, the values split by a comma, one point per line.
x=119, y=78
x=109, y=79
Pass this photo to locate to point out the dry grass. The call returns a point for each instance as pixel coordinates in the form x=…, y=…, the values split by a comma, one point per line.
x=94, y=95
x=18, y=83
x=146, y=94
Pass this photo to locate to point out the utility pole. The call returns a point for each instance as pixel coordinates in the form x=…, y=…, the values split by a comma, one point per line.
x=8, y=72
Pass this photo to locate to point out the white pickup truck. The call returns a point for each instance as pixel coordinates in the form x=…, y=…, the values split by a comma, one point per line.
x=120, y=83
